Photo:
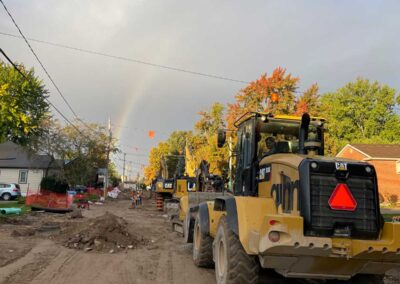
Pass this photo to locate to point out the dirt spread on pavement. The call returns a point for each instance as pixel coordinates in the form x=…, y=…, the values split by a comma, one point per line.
x=105, y=233
x=159, y=254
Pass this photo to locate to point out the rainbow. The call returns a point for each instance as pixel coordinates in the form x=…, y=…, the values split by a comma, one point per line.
x=138, y=89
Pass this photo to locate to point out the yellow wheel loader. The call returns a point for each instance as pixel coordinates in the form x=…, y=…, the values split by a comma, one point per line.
x=295, y=211
x=207, y=187
x=182, y=186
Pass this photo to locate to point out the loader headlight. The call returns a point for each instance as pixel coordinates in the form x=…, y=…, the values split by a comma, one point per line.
x=314, y=165
x=274, y=236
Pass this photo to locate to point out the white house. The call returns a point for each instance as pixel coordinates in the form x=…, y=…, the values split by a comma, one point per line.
x=20, y=166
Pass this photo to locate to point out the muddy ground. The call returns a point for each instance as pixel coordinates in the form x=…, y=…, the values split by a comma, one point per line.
x=54, y=248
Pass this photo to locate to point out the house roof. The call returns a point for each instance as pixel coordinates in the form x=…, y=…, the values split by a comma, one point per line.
x=15, y=156
x=382, y=151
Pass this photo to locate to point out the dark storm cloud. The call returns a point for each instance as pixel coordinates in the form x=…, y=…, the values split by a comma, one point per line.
x=328, y=42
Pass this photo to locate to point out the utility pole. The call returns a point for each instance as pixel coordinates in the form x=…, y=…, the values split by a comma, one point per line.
x=106, y=176
x=123, y=172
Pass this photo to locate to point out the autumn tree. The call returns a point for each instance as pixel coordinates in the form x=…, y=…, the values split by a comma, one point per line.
x=309, y=101
x=361, y=112
x=23, y=105
x=204, y=141
x=256, y=96
x=201, y=144
x=156, y=155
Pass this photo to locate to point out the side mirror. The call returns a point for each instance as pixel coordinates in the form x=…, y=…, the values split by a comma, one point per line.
x=221, y=137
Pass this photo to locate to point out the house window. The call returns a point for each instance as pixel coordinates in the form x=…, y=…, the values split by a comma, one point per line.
x=23, y=176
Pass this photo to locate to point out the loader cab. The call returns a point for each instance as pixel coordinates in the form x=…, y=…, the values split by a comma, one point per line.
x=262, y=135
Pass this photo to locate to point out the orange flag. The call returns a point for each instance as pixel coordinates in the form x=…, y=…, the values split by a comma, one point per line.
x=152, y=133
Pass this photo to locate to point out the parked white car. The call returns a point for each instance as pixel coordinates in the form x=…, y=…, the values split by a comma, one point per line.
x=9, y=191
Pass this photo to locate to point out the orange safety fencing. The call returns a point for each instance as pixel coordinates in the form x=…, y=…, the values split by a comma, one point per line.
x=94, y=191
x=48, y=199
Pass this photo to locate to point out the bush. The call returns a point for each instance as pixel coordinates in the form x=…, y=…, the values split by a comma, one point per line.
x=21, y=200
x=392, y=199
x=54, y=185
x=93, y=197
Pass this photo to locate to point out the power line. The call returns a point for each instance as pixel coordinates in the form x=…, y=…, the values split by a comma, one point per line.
x=37, y=58
x=47, y=99
x=123, y=58
x=44, y=68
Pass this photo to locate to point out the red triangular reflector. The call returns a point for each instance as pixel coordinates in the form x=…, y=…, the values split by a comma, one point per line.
x=342, y=199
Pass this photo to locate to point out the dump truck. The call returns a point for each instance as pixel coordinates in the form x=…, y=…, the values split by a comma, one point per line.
x=294, y=210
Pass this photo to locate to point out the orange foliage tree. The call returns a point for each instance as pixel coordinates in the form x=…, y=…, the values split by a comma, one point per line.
x=256, y=96
x=309, y=101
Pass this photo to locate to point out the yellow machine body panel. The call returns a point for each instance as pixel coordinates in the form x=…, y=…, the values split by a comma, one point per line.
x=163, y=187
x=181, y=188
x=183, y=207
x=300, y=255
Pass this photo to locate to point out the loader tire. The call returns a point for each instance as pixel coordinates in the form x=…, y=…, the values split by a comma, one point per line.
x=202, y=246
x=232, y=264
x=367, y=279
x=188, y=226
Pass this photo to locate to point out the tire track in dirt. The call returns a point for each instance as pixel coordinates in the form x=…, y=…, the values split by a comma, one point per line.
x=30, y=265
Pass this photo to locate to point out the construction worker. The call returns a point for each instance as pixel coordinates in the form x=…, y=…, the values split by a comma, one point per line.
x=133, y=198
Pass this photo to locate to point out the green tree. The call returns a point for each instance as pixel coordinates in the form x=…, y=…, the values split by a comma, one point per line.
x=23, y=105
x=363, y=112
x=86, y=150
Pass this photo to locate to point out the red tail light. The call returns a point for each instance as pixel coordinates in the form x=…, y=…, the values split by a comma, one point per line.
x=16, y=190
x=342, y=199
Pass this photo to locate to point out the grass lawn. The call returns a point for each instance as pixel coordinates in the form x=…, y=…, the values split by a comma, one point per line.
x=388, y=217
x=16, y=204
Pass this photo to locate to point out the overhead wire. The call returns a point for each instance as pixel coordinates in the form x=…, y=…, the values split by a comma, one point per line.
x=123, y=58
x=44, y=68
x=46, y=98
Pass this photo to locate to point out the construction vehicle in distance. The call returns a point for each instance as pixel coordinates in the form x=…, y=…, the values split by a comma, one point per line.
x=295, y=211
x=182, y=186
x=170, y=184
x=164, y=189
x=208, y=187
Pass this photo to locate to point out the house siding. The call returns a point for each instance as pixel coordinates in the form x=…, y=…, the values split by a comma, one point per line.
x=388, y=179
x=350, y=153
x=12, y=176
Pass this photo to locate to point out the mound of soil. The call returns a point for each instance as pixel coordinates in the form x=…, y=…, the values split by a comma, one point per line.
x=105, y=233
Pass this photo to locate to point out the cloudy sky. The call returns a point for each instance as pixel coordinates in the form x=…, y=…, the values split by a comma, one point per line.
x=327, y=42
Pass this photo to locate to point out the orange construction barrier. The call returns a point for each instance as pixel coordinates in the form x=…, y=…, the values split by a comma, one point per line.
x=44, y=199
x=94, y=191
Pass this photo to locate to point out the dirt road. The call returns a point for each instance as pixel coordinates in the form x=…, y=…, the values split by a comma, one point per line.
x=159, y=256
x=165, y=259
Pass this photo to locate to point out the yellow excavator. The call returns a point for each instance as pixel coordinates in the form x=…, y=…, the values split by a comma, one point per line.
x=294, y=210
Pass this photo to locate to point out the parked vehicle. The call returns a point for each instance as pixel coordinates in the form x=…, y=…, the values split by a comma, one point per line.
x=9, y=191
x=78, y=189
